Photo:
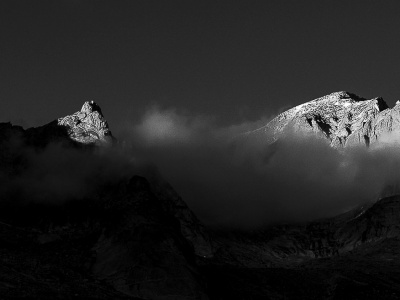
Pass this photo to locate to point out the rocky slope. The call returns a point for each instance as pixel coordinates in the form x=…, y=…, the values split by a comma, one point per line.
x=345, y=119
x=290, y=244
x=352, y=256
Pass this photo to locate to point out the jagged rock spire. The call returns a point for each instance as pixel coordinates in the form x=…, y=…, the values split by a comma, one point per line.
x=88, y=126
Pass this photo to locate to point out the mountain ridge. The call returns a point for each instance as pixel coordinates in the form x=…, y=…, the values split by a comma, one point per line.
x=343, y=118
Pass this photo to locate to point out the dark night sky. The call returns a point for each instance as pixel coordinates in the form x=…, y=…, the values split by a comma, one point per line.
x=232, y=60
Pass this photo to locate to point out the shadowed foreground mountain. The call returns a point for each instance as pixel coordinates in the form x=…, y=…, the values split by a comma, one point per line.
x=130, y=236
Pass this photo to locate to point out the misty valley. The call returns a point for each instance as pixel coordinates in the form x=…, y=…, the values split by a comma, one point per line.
x=304, y=206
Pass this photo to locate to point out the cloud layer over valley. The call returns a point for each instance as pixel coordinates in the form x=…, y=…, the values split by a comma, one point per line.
x=227, y=177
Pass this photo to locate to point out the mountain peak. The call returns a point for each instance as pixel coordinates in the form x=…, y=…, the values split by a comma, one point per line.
x=88, y=126
x=344, y=95
x=91, y=106
x=343, y=118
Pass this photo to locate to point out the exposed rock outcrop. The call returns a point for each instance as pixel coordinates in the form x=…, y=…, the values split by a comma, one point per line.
x=343, y=118
x=88, y=125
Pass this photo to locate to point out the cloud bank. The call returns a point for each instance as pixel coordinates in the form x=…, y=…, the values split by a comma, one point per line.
x=232, y=179
x=57, y=173
x=227, y=178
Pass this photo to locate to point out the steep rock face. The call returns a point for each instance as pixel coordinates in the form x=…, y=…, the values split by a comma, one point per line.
x=141, y=251
x=345, y=119
x=88, y=125
x=190, y=226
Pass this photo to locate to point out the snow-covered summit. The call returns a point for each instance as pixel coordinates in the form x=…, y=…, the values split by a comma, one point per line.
x=342, y=117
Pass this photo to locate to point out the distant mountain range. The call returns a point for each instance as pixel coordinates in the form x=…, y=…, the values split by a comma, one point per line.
x=133, y=237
